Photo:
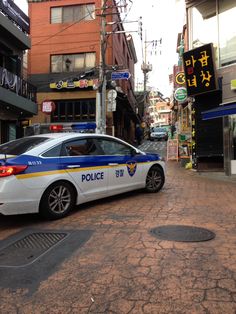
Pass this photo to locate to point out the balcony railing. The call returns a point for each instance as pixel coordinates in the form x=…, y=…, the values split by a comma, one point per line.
x=17, y=85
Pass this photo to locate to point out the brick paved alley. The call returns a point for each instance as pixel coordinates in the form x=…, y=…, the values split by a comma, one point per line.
x=121, y=267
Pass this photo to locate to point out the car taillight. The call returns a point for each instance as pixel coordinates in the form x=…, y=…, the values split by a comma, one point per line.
x=6, y=171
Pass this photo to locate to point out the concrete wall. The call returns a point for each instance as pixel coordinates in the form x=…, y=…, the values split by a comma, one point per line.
x=228, y=73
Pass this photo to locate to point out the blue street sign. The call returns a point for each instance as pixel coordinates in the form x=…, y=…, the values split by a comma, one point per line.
x=120, y=76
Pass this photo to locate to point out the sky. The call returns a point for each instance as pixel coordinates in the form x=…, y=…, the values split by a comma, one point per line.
x=161, y=20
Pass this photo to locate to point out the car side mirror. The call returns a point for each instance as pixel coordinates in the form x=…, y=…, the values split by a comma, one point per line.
x=134, y=152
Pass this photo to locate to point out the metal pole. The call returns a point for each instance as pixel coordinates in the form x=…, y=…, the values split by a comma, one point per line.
x=145, y=63
x=101, y=93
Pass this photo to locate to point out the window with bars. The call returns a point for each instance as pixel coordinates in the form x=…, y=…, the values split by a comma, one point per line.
x=83, y=110
x=72, y=13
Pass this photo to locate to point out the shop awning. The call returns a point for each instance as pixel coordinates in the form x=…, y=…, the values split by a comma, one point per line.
x=223, y=110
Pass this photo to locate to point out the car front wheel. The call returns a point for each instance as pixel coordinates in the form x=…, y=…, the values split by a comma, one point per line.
x=155, y=179
x=57, y=201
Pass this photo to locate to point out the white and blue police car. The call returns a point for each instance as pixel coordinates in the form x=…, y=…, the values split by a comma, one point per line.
x=51, y=173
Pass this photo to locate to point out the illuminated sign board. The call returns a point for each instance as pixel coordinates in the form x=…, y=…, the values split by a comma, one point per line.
x=48, y=106
x=75, y=84
x=199, y=70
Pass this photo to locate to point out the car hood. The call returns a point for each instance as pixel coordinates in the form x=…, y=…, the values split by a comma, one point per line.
x=153, y=155
x=159, y=133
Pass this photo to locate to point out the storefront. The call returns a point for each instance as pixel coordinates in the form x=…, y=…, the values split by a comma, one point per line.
x=17, y=96
x=216, y=113
x=227, y=112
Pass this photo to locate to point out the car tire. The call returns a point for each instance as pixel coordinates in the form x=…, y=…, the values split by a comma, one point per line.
x=155, y=179
x=57, y=200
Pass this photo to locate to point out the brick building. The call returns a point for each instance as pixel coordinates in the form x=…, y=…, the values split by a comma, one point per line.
x=65, y=64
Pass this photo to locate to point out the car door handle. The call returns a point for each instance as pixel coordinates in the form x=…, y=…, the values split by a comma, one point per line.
x=73, y=166
x=113, y=164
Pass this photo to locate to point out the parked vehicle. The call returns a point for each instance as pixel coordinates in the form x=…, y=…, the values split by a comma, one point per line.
x=159, y=133
x=51, y=173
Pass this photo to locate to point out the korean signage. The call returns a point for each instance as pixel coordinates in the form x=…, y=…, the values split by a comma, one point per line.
x=172, y=149
x=48, y=106
x=179, y=76
x=9, y=8
x=199, y=70
x=180, y=94
x=120, y=76
x=75, y=84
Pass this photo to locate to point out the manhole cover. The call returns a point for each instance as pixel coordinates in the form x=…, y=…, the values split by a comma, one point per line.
x=182, y=233
x=27, y=249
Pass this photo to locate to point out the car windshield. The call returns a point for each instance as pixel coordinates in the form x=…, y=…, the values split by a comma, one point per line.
x=159, y=130
x=22, y=145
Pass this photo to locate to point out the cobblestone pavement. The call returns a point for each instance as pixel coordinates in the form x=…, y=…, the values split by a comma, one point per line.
x=123, y=268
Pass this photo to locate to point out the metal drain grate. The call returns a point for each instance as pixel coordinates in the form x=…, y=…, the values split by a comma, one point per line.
x=182, y=233
x=26, y=250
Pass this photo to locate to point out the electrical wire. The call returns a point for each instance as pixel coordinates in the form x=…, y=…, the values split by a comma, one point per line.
x=63, y=50
x=69, y=26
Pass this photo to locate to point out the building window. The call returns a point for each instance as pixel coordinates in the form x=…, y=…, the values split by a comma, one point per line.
x=82, y=110
x=73, y=13
x=227, y=32
x=210, y=22
x=204, y=24
x=72, y=62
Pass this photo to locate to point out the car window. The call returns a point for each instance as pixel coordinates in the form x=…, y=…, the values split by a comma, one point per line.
x=22, y=145
x=80, y=147
x=111, y=147
x=159, y=130
x=53, y=152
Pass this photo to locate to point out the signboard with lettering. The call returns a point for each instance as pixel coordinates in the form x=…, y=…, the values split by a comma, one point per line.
x=69, y=84
x=180, y=94
x=48, y=106
x=172, y=149
x=120, y=76
x=16, y=14
x=199, y=68
x=179, y=76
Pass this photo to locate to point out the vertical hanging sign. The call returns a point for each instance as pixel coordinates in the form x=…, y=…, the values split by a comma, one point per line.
x=199, y=68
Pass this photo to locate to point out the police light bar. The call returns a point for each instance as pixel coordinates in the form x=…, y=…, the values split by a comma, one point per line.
x=56, y=127
x=84, y=126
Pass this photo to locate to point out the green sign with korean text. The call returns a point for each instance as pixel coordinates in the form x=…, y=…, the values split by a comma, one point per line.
x=180, y=94
x=199, y=69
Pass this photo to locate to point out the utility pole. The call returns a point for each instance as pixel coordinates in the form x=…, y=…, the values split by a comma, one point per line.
x=147, y=67
x=101, y=93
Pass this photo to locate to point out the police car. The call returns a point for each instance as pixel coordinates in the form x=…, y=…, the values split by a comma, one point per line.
x=51, y=173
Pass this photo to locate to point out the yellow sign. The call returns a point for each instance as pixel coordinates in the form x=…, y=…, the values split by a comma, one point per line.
x=74, y=84
x=180, y=78
x=233, y=84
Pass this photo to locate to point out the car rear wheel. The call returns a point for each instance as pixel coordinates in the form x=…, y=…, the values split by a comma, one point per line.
x=155, y=179
x=57, y=201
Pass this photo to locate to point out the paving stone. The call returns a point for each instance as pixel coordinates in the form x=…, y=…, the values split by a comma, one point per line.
x=123, y=269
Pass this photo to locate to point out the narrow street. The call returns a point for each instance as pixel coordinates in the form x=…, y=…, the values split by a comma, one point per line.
x=111, y=262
